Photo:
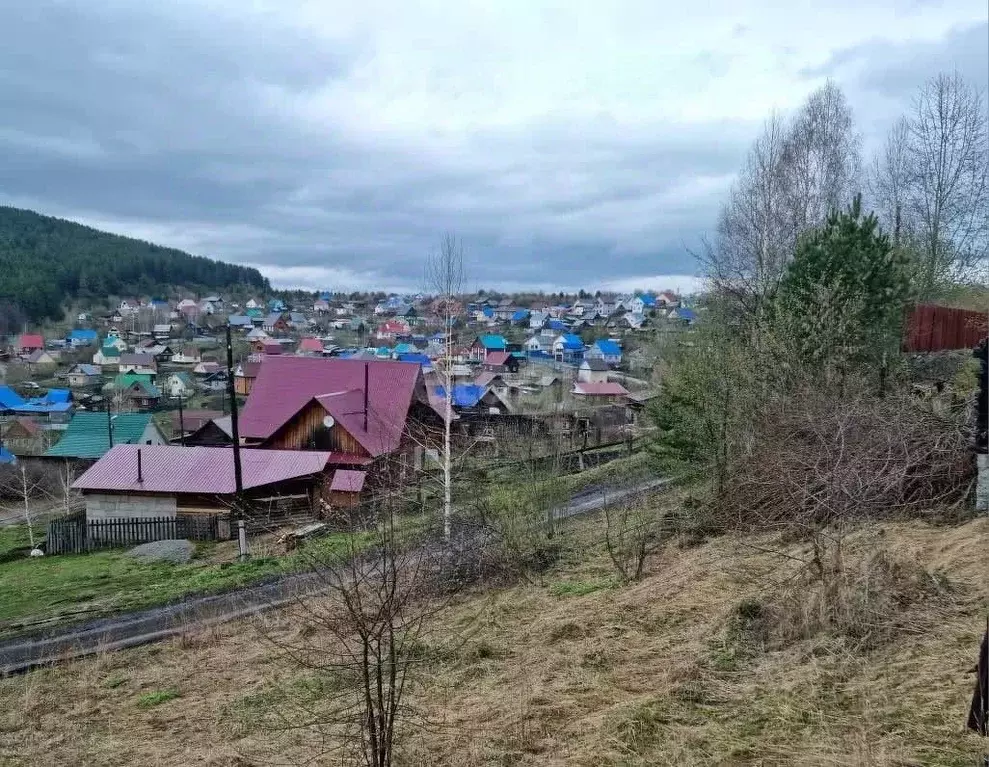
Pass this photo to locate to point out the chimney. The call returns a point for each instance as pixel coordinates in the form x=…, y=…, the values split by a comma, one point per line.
x=140, y=476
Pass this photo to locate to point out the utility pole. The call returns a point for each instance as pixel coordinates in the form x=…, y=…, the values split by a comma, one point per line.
x=234, y=427
x=181, y=423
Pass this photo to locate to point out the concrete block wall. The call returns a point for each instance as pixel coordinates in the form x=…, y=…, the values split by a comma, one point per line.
x=111, y=506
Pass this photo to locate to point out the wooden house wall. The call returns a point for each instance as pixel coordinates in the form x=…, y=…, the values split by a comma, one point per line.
x=306, y=432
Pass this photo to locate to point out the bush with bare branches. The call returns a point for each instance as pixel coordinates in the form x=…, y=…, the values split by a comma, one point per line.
x=816, y=458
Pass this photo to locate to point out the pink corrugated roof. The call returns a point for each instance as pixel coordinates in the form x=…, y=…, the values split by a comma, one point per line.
x=310, y=345
x=31, y=341
x=497, y=358
x=601, y=389
x=346, y=481
x=174, y=469
x=287, y=384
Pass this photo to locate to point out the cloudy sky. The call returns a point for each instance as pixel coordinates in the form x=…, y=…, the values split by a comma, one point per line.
x=569, y=143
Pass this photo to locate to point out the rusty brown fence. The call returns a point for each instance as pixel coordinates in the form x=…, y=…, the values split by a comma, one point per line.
x=931, y=328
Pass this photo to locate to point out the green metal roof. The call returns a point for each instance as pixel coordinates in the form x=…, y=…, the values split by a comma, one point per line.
x=126, y=380
x=87, y=435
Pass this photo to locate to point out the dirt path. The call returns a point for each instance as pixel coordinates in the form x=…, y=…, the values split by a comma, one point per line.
x=60, y=643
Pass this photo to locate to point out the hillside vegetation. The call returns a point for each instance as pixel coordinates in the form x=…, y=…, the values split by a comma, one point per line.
x=575, y=669
x=47, y=262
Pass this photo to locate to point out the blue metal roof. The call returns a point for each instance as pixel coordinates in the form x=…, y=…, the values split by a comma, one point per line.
x=571, y=341
x=9, y=399
x=82, y=335
x=420, y=359
x=609, y=348
x=520, y=315
x=6, y=456
x=494, y=343
x=464, y=395
x=555, y=324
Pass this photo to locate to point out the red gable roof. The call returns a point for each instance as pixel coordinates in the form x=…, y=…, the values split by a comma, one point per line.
x=285, y=385
x=174, y=469
x=31, y=341
x=346, y=481
x=600, y=389
x=310, y=345
x=497, y=358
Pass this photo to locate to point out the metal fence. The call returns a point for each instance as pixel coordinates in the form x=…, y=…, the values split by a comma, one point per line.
x=931, y=328
x=74, y=534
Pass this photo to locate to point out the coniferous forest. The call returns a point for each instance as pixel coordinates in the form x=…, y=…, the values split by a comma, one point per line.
x=47, y=262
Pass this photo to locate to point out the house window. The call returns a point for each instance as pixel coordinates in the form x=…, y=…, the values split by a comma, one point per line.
x=148, y=442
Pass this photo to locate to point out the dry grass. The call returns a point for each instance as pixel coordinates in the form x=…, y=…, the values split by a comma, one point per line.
x=575, y=671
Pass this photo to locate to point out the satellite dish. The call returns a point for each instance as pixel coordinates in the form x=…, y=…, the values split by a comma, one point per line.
x=328, y=421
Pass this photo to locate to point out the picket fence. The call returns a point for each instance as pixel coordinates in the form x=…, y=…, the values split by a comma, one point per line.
x=74, y=534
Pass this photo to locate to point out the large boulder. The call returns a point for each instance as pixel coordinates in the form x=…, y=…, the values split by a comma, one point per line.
x=176, y=551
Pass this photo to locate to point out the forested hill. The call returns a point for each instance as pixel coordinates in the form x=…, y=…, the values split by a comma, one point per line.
x=47, y=262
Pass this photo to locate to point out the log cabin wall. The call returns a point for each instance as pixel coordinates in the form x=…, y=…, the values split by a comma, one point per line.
x=306, y=432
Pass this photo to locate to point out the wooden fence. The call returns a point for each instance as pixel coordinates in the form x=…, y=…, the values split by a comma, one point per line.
x=74, y=534
x=932, y=328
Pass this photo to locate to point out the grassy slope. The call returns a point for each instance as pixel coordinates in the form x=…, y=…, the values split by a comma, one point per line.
x=47, y=589
x=570, y=671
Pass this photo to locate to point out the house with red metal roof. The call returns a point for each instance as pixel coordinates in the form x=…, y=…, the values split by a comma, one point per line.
x=310, y=346
x=30, y=342
x=610, y=392
x=358, y=410
x=170, y=481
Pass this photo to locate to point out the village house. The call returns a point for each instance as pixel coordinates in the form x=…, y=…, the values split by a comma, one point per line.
x=358, y=410
x=162, y=331
x=245, y=376
x=82, y=337
x=501, y=362
x=311, y=347
x=216, y=381
x=189, y=355
x=186, y=422
x=107, y=355
x=274, y=323
x=252, y=303
x=88, y=434
x=568, y=348
x=391, y=329
x=607, y=351
x=143, y=364
x=485, y=345
x=83, y=375
x=600, y=393
x=137, y=390
x=206, y=368
x=179, y=385
x=215, y=432
x=41, y=359
x=141, y=481
x=593, y=371
x=29, y=342
x=22, y=436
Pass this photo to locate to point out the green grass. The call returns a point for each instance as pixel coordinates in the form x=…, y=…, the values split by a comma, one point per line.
x=14, y=538
x=152, y=699
x=581, y=588
x=79, y=586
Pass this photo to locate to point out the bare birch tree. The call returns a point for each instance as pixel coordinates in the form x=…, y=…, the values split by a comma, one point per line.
x=445, y=278
x=795, y=174
x=889, y=181
x=821, y=160
x=948, y=161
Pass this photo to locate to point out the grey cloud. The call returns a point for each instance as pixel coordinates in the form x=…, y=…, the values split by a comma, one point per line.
x=161, y=124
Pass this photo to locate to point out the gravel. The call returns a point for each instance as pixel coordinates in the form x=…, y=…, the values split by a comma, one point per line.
x=177, y=551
